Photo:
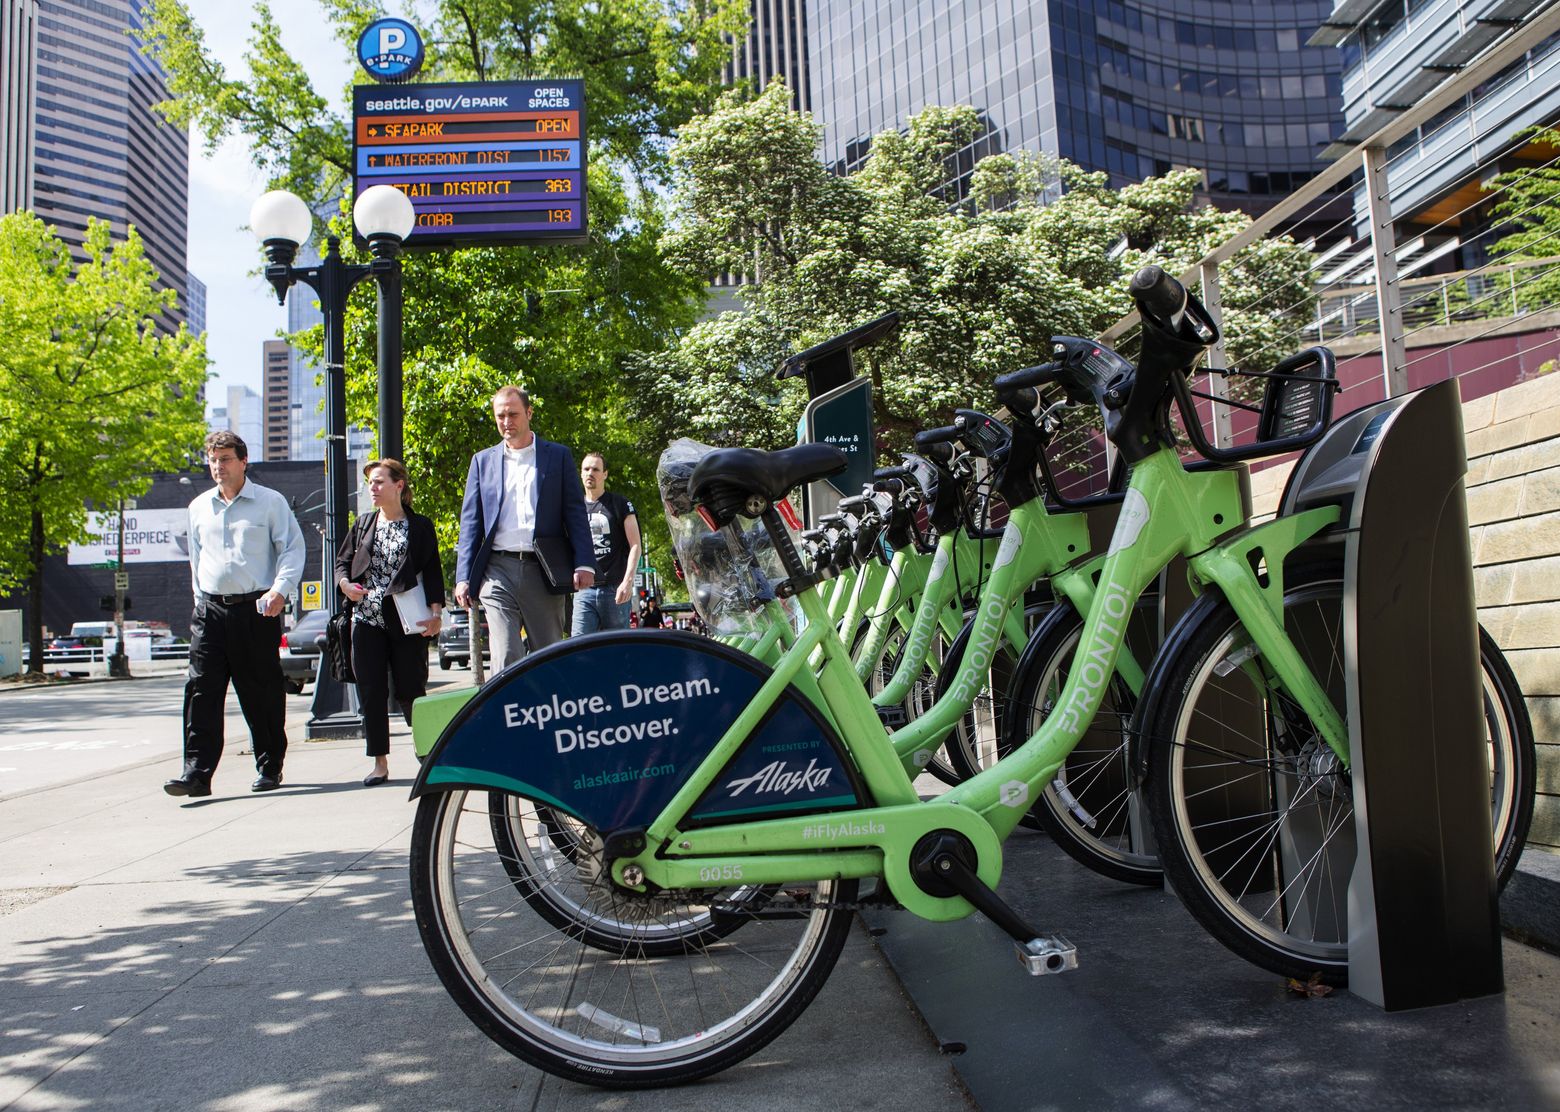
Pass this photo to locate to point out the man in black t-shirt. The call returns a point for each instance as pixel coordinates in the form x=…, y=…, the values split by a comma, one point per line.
x=615, y=530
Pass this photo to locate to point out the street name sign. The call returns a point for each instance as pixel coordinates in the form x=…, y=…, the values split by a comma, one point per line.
x=484, y=163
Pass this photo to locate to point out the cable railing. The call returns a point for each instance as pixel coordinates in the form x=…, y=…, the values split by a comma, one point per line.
x=1374, y=272
x=1441, y=300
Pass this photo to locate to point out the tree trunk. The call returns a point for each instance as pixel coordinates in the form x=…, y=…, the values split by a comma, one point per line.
x=35, y=594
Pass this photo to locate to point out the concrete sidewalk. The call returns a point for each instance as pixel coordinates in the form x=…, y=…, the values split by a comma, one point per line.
x=258, y=952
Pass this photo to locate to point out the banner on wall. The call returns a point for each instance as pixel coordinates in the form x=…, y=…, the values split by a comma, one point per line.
x=151, y=537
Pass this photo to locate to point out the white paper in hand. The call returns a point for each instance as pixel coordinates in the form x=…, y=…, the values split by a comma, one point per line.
x=412, y=605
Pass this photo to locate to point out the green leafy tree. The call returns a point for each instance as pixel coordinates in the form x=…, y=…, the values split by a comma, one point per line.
x=558, y=319
x=1527, y=219
x=981, y=285
x=93, y=398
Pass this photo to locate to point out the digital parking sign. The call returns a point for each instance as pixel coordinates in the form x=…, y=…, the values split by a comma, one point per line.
x=485, y=163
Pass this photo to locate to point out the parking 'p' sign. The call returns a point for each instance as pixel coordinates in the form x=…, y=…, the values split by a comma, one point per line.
x=390, y=50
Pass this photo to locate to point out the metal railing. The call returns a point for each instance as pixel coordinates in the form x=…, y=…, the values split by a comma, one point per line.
x=1442, y=300
x=1363, y=276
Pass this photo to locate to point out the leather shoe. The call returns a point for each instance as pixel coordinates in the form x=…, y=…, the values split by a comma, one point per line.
x=266, y=783
x=374, y=778
x=192, y=786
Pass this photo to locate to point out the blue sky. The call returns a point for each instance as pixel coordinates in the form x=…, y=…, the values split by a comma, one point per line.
x=241, y=310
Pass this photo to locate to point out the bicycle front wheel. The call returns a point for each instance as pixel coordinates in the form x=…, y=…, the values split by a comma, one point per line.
x=618, y=1017
x=1090, y=808
x=1253, y=813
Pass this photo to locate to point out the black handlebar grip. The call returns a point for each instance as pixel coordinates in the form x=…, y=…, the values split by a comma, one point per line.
x=1159, y=295
x=854, y=504
x=829, y=520
x=929, y=438
x=892, y=473
x=1029, y=376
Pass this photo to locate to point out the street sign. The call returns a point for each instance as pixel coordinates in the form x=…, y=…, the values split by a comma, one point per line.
x=311, y=594
x=390, y=50
x=483, y=162
x=121, y=581
x=843, y=417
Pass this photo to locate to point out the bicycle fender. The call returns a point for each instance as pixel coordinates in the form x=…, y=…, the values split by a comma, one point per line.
x=610, y=727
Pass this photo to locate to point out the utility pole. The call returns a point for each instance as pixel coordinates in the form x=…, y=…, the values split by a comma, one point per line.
x=119, y=663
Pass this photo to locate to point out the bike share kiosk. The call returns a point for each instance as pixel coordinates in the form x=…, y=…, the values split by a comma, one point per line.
x=839, y=411
x=1418, y=883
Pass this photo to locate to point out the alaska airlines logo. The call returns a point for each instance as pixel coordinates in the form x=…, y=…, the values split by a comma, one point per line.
x=777, y=778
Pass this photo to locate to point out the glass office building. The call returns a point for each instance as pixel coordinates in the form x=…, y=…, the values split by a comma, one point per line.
x=1131, y=88
x=99, y=148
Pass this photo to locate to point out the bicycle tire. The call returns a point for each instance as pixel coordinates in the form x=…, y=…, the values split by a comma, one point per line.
x=1088, y=808
x=976, y=741
x=615, y=1020
x=1228, y=865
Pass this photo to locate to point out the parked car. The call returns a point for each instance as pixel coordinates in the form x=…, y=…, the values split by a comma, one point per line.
x=455, y=639
x=302, y=647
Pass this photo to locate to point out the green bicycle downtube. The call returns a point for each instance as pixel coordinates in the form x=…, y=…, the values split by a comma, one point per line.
x=906, y=577
x=936, y=595
x=1144, y=541
x=1033, y=545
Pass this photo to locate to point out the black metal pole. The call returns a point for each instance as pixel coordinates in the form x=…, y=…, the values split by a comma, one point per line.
x=334, y=711
x=389, y=360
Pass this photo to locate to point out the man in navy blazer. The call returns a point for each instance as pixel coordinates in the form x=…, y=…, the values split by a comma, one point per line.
x=518, y=493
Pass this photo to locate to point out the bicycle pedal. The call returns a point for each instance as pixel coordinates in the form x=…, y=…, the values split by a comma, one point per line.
x=1043, y=956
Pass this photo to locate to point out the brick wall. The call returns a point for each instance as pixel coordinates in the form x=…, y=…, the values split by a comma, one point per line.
x=1513, y=483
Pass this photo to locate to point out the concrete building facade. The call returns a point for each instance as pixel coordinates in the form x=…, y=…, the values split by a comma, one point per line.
x=18, y=75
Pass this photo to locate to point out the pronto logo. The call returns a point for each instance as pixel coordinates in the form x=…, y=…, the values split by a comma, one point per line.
x=921, y=758
x=981, y=648
x=1008, y=548
x=1093, y=666
x=1129, y=523
x=1015, y=793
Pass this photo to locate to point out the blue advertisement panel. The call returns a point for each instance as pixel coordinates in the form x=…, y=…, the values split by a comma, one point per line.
x=610, y=727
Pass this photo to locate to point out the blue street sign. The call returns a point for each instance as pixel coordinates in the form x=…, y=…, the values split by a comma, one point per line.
x=390, y=50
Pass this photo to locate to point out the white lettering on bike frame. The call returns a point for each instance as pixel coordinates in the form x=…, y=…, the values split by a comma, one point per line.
x=1134, y=516
x=1008, y=548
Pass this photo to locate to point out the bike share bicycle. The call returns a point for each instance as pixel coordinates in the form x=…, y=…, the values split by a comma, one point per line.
x=717, y=805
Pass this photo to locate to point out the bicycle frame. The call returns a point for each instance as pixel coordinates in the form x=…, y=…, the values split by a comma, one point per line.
x=1189, y=511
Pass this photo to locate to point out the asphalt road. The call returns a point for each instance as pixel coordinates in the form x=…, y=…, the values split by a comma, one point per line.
x=66, y=732
x=63, y=733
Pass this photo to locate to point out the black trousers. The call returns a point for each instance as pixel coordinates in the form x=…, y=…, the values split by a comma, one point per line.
x=234, y=643
x=377, y=656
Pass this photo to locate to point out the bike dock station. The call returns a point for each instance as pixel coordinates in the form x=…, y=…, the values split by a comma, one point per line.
x=1423, y=915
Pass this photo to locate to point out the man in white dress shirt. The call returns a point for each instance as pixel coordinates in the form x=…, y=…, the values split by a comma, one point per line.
x=246, y=556
x=518, y=492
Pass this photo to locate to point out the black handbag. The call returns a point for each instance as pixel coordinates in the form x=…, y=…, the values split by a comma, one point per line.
x=338, y=645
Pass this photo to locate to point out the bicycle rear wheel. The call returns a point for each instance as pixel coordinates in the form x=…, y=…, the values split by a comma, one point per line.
x=1253, y=813
x=555, y=862
x=622, y=1017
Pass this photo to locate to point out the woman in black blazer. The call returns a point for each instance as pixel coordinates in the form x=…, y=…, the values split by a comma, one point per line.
x=387, y=553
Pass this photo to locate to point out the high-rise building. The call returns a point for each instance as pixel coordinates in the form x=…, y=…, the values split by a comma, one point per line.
x=195, y=305
x=276, y=389
x=306, y=389
x=775, y=46
x=1393, y=54
x=242, y=414
x=1131, y=87
x=18, y=73
x=99, y=148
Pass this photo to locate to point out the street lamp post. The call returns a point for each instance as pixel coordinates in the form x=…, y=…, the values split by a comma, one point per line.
x=282, y=223
x=119, y=661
